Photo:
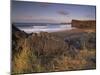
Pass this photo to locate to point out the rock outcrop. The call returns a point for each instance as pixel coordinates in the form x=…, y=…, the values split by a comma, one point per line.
x=84, y=24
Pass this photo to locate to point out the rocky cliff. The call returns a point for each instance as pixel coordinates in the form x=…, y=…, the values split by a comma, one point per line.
x=84, y=24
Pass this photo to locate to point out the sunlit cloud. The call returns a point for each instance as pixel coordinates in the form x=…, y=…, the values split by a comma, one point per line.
x=35, y=18
x=49, y=12
x=24, y=17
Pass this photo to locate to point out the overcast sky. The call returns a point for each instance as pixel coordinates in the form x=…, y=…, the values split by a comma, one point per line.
x=30, y=12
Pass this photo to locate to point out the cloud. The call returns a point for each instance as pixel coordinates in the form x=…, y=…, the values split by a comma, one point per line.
x=89, y=16
x=44, y=4
x=63, y=12
x=44, y=19
x=24, y=17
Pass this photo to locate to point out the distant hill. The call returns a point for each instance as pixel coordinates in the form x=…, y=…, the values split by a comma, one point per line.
x=84, y=23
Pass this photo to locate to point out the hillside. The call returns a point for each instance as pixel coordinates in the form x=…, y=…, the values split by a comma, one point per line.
x=47, y=52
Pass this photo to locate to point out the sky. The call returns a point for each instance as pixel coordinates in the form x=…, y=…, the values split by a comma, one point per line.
x=39, y=12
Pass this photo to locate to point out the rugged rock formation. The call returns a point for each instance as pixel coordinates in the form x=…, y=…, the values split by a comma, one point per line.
x=84, y=24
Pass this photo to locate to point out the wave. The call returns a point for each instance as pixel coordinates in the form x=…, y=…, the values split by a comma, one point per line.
x=47, y=28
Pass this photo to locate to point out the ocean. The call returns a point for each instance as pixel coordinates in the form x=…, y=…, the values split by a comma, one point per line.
x=42, y=27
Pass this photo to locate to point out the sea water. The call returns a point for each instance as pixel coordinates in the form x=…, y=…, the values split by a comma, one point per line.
x=34, y=27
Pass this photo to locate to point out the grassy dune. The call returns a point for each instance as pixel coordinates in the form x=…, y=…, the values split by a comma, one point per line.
x=48, y=52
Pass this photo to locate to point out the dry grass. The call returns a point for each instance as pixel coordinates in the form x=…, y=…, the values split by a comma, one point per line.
x=26, y=61
x=47, y=53
x=79, y=62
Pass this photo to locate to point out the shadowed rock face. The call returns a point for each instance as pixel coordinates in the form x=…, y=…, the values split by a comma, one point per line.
x=84, y=24
x=17, y=39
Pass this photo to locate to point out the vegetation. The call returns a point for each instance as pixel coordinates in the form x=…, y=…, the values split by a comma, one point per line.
x=47, y=52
